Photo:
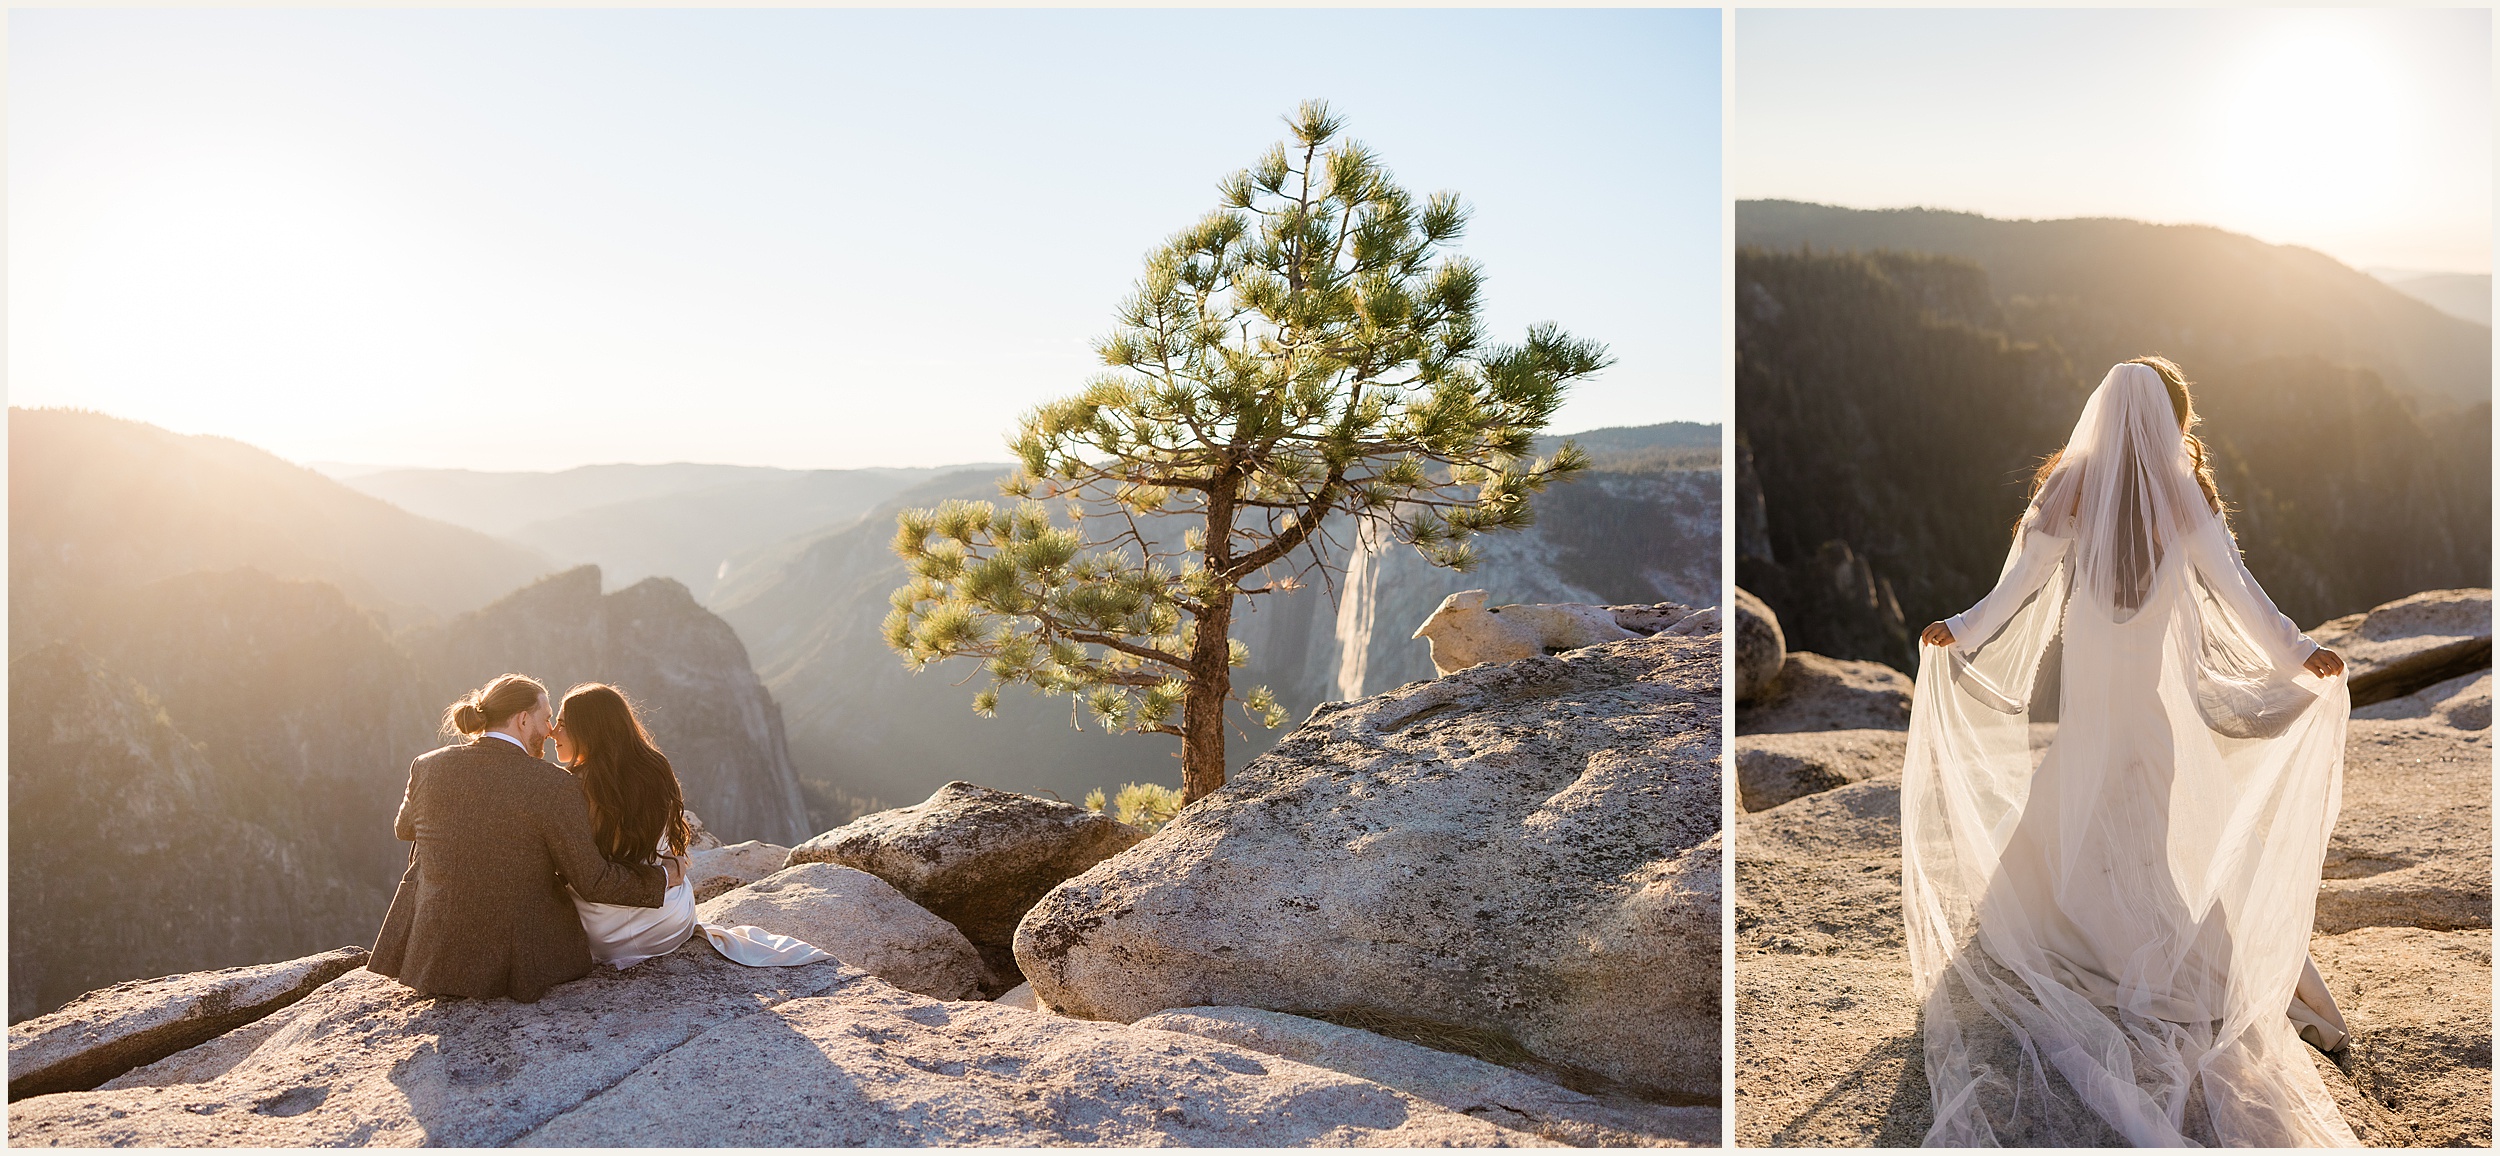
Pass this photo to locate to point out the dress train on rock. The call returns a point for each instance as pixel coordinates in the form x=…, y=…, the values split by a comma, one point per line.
x=624, y=936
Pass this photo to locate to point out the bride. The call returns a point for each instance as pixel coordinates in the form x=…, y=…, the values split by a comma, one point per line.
x=2110, y=936
x=637, y=815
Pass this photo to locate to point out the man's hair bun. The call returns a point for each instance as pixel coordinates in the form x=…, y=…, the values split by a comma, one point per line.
x=501, y=699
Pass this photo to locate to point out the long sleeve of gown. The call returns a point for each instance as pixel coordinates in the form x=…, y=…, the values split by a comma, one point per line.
x=2218, y=558
x=2031, y=570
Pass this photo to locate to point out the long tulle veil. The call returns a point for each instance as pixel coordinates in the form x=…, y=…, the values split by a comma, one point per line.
x=2106, y=930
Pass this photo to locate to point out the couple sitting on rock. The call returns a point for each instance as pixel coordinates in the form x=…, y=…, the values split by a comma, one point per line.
x=524, y=875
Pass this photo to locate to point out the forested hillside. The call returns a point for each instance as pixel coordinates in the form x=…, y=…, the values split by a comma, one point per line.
x=2105, y=289
x=1891, y=407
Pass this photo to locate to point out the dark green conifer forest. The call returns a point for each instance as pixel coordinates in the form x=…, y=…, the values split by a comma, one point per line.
x=1891, y=406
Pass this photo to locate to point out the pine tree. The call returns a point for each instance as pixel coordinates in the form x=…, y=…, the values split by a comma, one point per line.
x=1306, y=350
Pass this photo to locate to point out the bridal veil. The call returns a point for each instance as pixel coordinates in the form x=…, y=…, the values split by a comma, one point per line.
x=2108, y=915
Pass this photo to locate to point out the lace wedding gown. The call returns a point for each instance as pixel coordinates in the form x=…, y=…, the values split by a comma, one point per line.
x=623, y=936
x=2106, y=935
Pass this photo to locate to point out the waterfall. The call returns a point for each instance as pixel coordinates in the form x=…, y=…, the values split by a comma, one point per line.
x=1356, y=605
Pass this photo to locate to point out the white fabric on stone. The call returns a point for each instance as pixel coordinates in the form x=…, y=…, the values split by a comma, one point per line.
x=623, y=936
x=2106, y=934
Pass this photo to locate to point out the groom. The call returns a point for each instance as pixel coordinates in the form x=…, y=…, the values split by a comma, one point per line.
x=499, y=833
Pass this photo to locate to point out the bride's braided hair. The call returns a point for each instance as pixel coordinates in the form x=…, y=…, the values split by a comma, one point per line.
x=2183, y=407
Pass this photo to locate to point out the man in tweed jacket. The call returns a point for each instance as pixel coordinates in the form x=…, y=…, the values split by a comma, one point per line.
x=499, y=834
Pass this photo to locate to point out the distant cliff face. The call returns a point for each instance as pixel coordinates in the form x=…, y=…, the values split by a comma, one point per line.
x=1641, y=527
x=307, y=708
x=129, y=855
x=684, y=669
x=1608, y=538
x=283, y=721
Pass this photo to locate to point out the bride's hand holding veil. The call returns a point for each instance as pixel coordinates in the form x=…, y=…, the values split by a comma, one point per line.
x=1937, y=634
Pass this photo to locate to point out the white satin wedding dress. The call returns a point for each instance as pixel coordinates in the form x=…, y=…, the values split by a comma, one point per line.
x=623, y=936
x=2106, y=934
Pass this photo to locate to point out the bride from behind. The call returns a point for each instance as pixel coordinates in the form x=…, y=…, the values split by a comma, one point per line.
x=2110, y=935
x=638, y=815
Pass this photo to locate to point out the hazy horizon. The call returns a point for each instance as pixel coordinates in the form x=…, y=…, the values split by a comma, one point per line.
x=2389, y=275
x=527, y=240
x=2365, y=135
x=341, y=469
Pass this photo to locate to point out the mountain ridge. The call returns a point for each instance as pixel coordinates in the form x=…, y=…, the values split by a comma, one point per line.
x=2107, y=288
x=99, y=503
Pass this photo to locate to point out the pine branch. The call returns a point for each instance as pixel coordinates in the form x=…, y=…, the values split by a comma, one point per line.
x=1107, y=642
x=1284, y=543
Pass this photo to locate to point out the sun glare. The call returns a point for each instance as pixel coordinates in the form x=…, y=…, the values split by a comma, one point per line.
x=206, y=247
x=265, y=285
x=2312, y=128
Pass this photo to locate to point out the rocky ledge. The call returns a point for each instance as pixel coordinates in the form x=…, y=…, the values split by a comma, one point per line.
x=1518, y=859
x=104, y=1033
x=1827, y=1046
x=692, y=1050
x=1539, y=967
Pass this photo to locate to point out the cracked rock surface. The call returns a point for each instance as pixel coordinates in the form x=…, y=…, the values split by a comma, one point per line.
x=2395, y=649
x=1487, y=1091
x=716, y=869
x=690, y=1049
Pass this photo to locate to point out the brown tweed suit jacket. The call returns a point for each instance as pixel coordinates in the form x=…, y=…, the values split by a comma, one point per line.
x=481, y=910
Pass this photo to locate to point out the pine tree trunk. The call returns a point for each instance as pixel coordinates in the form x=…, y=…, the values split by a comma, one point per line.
x=1202, y=707
x=1210, y=657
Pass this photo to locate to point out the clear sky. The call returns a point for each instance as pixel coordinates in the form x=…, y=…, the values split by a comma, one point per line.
x=2365, y=134
x=538, y=239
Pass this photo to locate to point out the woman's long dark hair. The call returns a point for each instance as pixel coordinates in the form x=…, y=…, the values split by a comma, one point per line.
x=634, y=797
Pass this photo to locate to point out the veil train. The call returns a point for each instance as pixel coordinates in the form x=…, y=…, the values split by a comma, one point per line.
x=2106, y=934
